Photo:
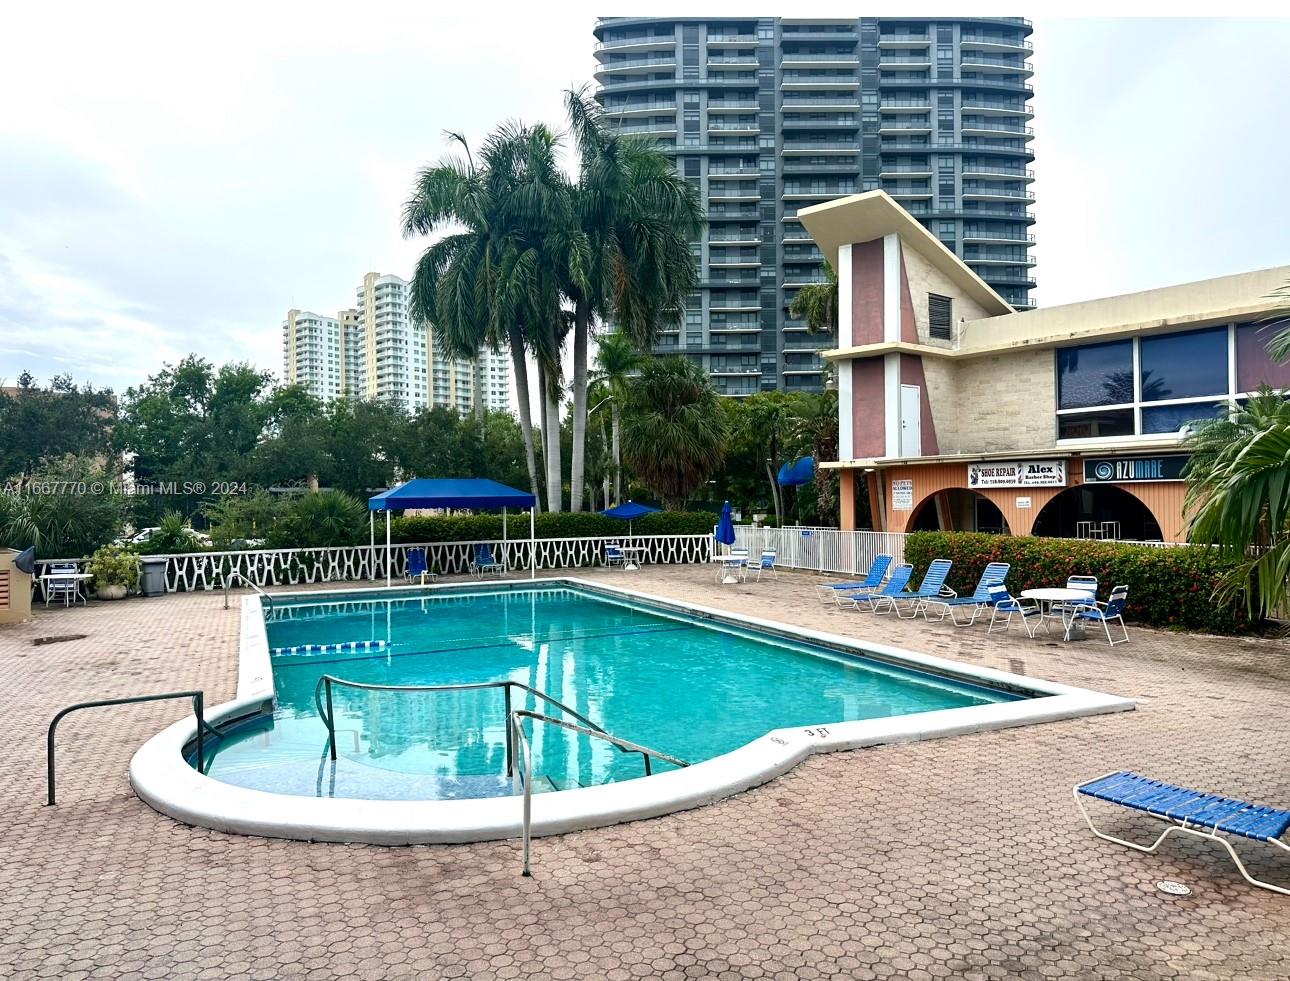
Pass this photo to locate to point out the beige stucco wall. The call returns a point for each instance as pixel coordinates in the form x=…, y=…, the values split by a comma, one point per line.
x=993, y=404
x=925, y=278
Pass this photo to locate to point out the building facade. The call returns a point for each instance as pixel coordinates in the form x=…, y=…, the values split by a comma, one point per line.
x=767, y=116
x=376, y=351
x=957, y=412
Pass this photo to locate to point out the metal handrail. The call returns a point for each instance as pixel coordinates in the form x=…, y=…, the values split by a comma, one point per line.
x=322, y=694
x=198, y=698
x=516, y=736
x=235, y=574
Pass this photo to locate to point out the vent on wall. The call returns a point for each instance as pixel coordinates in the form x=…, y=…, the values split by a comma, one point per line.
x=940, y=316
x=4, y=590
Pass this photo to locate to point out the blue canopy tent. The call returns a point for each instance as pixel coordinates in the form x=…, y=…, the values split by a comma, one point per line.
x=475, y=493
x=797, y=473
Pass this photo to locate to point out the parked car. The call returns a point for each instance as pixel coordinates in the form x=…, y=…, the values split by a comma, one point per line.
x=147, y=533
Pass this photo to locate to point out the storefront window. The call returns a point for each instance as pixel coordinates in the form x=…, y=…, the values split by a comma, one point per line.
x=1095, y=425
x=1180, y=366
x=1172, y=418
x=1095, y=374
x=1254, y=367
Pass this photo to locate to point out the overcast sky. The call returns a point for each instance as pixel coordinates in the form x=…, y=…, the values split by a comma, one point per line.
x=173, y=178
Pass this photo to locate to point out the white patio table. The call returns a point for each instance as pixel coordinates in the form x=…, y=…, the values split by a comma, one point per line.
x=1047, y=598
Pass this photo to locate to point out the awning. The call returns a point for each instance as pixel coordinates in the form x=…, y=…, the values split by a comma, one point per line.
x=450, y=493
x=797, y=473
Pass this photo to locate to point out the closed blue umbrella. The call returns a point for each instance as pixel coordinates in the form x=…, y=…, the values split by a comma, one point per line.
x=725, y=533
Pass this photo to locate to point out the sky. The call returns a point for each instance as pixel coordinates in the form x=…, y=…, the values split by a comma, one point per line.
x=174, y=177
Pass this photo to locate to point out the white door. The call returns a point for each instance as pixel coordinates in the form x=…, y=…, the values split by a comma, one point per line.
x=911, y=434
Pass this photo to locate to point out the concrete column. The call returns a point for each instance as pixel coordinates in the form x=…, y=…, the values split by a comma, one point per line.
x=847, y=499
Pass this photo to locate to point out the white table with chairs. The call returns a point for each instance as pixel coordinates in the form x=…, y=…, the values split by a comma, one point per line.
x=65, y=585
x=736, y=560
x=1055, y=602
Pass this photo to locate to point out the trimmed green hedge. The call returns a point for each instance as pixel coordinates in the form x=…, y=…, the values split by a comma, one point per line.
x=483, y=527
x=1168, y=587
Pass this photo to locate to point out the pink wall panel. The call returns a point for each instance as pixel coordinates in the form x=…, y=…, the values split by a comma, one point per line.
x=869, y=433
x=866, y=292
x=911, y=373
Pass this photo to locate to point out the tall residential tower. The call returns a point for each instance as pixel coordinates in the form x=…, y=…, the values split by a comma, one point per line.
x=769, y=115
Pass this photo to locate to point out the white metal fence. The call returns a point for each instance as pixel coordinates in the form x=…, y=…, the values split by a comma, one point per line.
x=822, y=549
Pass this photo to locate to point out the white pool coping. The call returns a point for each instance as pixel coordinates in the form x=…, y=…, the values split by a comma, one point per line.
x=163, y=779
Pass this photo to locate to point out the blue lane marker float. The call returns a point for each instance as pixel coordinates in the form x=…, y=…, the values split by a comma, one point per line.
x=344, y=646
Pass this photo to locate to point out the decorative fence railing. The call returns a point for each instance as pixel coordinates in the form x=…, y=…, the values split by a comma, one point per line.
x=822, y=549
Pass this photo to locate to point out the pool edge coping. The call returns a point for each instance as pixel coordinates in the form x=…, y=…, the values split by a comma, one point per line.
x=162, y=778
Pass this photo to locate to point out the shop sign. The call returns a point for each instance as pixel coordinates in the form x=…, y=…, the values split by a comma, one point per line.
x=902, y=495
x=1134, y=469
x=1023, y=503
x=1018, y=473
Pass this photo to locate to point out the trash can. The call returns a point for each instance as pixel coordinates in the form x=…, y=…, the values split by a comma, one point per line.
x=153, y=580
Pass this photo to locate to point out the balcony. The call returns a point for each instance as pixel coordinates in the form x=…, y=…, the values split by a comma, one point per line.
x=732, y=105
x=978, y=62
x=980, y=41
x=980, y=127
x=848, y=34
x=904, y=40
x=904, y=127
x=794, y=192
x=988, y=192
x=823, y=122
x=657, y=126
x=640, y=42
x=999, y=85
x=821, y=168
x=887, y=171
x=625, y=109
x=733, y=172
x=822, y=102
x=729, y=63
x=727, y=40
x=726, y=126
x=987, y=235
x=634, y=65
x=923, y=104
x=802, y=82
x=992, y=107
x=733, y=262
x=822, y=146
x=741, y=328
x=740, y=237
x=1003, y=279
x=836, y=59
x=997, y=173
x=998, y=259
x=902, y=62
x=911, y=192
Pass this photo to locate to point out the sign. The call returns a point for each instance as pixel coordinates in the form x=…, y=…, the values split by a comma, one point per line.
x=1023, y=503
x=1134, y=469
x=902, y=495
x=1018, y=473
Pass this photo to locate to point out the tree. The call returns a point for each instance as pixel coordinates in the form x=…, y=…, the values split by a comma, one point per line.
x=496, y=278
x=636, y=215
x=817, y=303
x=814, y=424
x=674, y=435
x=1238, y=496
x=617, y=361
x=766, y=425
x=44, y=424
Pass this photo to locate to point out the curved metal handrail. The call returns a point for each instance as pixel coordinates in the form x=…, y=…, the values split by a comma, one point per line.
x=235, y=574
x=517, y=736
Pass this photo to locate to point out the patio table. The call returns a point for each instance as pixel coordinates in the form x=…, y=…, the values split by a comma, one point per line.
x=75, y=578
x=632, y=557
x=726, y=564
x=1047, y=598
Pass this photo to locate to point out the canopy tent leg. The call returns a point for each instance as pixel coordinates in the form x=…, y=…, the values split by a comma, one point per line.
x=387, y=548
x=504, y=562
x=532, y=544
x=371, y=544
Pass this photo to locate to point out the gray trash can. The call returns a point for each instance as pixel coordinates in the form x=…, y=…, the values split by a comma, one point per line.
x=153, y=580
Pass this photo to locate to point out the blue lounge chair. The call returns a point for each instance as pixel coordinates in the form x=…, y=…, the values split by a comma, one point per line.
x=932, y=586
x=1189, y=812
x=484, y=561
x=417, y=565
x=767, y=564
x=1104, y=613
x=900, y=577
x=1004, y=605
x=832, y=592
x=994, y=575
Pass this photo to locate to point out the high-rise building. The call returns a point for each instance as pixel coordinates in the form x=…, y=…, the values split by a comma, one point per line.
x=376, y=351
x=769, y=115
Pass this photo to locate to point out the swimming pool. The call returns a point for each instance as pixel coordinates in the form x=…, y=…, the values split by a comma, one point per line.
x=690, y=688
x=740, y=699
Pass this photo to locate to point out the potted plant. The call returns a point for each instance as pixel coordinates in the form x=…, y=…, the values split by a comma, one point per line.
x=115, y=572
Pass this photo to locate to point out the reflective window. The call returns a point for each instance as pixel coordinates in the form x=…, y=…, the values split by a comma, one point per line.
x=1254, y=367
x=1095, y=374
x=1094, y=425
x=1179, y=366
x=1172, y=418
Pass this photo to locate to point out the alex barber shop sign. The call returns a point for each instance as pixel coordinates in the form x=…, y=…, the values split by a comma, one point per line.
x=1018, y=473
x=1134, y=469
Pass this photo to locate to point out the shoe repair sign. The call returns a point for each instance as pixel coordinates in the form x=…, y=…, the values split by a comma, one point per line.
x=1018, y=473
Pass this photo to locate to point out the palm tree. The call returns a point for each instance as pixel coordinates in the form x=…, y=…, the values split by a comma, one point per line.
x=1238, y=496
x=817, y=303
x=674, y=434
x=617, y=360
x=637, y=216
x=495, y=279
x=814, y=423
x=765, y=422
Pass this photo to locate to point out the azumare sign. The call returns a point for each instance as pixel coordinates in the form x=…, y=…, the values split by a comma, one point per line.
x=1018, y=473
x=1134, y=469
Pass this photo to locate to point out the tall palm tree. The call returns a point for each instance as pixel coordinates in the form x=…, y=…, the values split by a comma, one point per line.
x=1238, y=496
x=814, y=423
x=617, y=360
x=766, y=423
x=674, y=433
x=637, y=215
x=817, y=303
x=496, y=277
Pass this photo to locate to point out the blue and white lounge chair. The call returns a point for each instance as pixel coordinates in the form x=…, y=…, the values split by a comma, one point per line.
x=767, y=564
x=484, y=561
x=900, y=577
x=1003, y=605
x=833, y=592
x=1104, y=613
x=994, y=575
x=1189, y=812
x=932, y=586
x=417, y=567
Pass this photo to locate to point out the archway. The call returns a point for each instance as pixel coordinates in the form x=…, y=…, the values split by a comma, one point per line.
x=1097, y=504
x=958, y=509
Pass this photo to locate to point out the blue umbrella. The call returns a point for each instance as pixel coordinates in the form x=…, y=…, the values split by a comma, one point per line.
x=626, y=512
x=801, y=471
x=725, y=533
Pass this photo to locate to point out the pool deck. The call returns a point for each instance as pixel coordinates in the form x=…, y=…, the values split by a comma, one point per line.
x=962, y=857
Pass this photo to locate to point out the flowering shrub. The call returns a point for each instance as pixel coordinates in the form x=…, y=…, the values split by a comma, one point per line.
x=477, y=527
x=1168, y=587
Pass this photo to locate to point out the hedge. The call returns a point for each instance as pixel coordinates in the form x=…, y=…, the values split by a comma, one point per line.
x=1168, y=587
x=485, y=527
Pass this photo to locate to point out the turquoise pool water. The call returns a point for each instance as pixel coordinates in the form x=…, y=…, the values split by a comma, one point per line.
x=676, y=683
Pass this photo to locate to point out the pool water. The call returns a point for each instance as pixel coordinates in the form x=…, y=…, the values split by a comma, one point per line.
x=688, y=687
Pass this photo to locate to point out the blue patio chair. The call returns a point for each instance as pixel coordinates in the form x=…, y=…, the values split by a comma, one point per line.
x=614, y=555
x=1104, y=613
x=60, y=581
x=932, y=586
x=767, y=564
x=1004, y=605
x=832, y=592
x=417, y=566
x=1189, y=812
x=1086, y=583
x=900, y=577
x=994, y=575
x=484, y=561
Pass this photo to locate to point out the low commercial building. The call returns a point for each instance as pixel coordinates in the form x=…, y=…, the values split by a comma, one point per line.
x=958, y=412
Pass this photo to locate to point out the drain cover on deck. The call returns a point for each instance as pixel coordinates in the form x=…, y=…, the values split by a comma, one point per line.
x=1173, y=888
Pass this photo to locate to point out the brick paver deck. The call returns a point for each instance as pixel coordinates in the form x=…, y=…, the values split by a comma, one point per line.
x=962, y=857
